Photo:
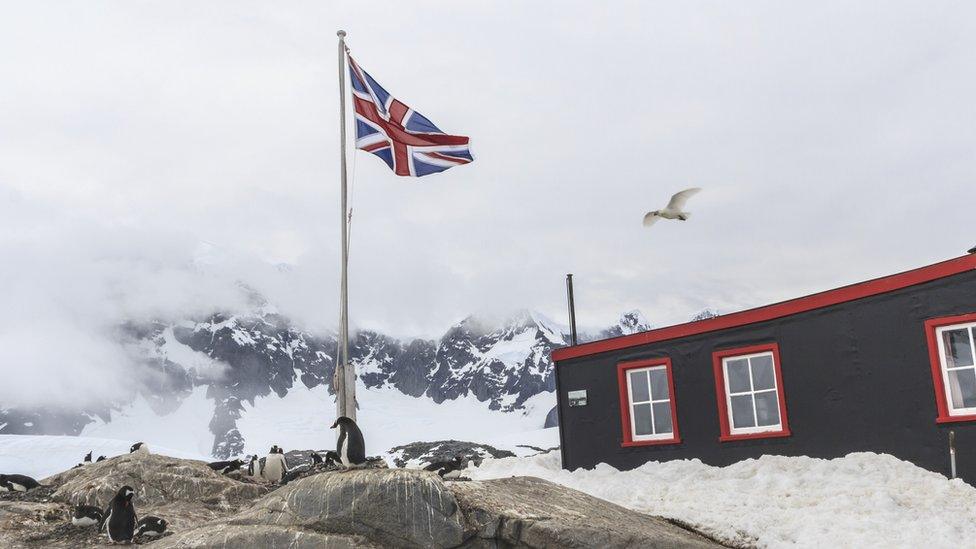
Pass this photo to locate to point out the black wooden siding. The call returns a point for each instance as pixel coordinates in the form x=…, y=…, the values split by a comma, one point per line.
x=856, y=376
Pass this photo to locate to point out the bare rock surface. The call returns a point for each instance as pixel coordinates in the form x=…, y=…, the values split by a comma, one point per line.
x=156, y=479
x=186, y=493
x=411, y=508
x=336, y=509
x=531, y=512
x=387, y=507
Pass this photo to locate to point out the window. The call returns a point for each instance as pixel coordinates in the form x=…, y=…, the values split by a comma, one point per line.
x=749, y=386
x=647, y=409
x=952, y=353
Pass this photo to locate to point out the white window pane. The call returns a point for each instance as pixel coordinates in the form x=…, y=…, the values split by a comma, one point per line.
x=738, y=372
x=742, y=412
x=638, y=386
x=662, y=417
x=642, y=419
x=962, y=388
x=763, y=376
x=659, y=384
x=958, y=348
x=767, y=408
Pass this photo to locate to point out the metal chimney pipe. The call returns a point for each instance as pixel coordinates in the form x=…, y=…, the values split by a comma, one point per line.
x=952, y=453
x=572, y=308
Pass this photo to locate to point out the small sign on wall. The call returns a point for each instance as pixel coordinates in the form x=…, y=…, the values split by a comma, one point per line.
x=577, y=398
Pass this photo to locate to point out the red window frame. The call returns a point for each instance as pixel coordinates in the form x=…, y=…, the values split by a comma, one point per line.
x=941, y=400
x=723, y=412
x=622, y=369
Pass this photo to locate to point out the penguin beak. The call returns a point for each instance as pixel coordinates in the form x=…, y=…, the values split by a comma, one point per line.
x=334, y=425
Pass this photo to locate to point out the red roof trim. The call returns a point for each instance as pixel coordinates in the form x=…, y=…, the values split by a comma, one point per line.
x=777, y=310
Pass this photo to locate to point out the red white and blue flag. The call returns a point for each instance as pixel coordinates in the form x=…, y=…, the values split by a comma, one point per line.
x=405, y=139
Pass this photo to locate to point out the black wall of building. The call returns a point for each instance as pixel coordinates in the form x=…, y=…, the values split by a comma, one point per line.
x=857, y=378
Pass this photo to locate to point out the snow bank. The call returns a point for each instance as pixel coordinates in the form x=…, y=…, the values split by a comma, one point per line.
x=861, y=500
x=43, y=456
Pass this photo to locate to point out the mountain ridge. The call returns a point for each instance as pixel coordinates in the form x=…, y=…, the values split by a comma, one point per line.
x=245, y=356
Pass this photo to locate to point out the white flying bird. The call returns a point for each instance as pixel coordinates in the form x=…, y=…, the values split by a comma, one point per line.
x=673, y=209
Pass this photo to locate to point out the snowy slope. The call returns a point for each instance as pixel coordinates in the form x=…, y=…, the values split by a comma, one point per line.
x=43, y=456
x=184, y=428
x=387, y=417
x=302, y=419
x=862, y=500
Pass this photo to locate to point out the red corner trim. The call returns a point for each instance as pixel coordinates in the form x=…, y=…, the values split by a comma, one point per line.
x=622, y=369
x=941, y=402
x=723, y=411
x=777, y=310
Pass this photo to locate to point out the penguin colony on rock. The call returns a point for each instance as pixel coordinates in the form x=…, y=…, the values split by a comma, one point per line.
x=118, y=520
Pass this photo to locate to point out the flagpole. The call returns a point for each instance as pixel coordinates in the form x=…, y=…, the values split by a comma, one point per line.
x=345, y=375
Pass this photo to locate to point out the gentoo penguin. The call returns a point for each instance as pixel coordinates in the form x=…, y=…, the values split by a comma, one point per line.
x=150, y=526
x=448, y=469
x=86, y=515
x=332, y=459
x=139, y=448
x=252, y=467
x=120, y=518
x=100, y=458
x=87, y=460
x=316, y=458
x=224, y=467
x=17, y=483
x=274, y=465
x=351, y=446
x=293, y=474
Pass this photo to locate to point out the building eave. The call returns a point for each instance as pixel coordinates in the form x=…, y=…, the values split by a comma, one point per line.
x=777, y=310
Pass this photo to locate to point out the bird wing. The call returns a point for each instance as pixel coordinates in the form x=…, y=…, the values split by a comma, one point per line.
x=650, y=219
x=679, y=199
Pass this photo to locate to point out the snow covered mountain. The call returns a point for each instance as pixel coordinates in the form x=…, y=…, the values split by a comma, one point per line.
x=224, y=363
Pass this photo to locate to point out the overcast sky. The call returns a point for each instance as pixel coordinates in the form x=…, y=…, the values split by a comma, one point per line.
x=834, y=142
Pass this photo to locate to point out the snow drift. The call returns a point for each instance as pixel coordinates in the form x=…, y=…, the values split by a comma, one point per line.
x=861, y=500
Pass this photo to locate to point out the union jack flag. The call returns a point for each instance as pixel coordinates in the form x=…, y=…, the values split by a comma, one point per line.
x=409, y=143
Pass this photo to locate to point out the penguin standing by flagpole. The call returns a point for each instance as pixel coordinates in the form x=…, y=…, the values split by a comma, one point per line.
x=351, y=446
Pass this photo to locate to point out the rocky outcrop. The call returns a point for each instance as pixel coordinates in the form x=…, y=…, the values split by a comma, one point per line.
x=531, y=512
x=418, y=454
x=415, y=509
x=156, y=479
x=186, y=493
x=406, y=508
